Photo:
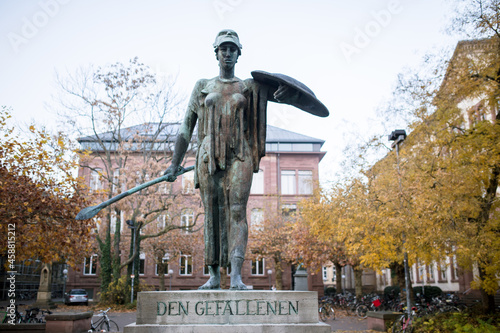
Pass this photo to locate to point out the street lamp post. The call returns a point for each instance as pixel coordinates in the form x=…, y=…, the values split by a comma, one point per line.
x=398, y=136
x=65, y=277
x=269, y=273
x=170, y=272
x=132, y=227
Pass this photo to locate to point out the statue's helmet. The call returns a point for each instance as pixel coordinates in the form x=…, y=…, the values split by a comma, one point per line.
x=227, y=36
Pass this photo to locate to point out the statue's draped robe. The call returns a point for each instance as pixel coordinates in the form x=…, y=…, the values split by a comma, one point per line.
x=231, y=125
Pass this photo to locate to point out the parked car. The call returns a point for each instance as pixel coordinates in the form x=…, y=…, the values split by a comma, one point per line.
x=76, y=296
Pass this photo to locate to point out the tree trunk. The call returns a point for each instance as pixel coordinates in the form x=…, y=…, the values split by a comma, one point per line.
x=358, y=281
x=223, y=277
x=487, y=300
x=279, y=272
x=105, y=261
x=161, y=271
x=338, y=276
x=116, y=263
x=399, y=270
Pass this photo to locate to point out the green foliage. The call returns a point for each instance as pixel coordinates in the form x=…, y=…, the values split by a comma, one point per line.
x=118, y=292
x=458, y=323
x=429, y=291
x=330, y=291
x=391, y=290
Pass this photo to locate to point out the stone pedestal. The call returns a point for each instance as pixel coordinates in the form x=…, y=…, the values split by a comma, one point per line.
x=65, y=322
x=378, y=321
x=44, y=300
x=227, y=311
x=300, y=280
x=44, y=296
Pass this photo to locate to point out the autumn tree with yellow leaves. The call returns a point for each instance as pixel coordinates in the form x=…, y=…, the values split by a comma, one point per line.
x=39, y=197
x=439, y=197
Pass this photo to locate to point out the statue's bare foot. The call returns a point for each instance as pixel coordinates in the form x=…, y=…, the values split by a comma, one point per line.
x=212, y=284
x=237, y=284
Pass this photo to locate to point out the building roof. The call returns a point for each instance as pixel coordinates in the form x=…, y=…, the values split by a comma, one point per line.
x=276, y=134
x=169, y=132
x=150, y=139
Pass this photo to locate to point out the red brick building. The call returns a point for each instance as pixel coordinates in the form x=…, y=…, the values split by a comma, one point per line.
x=287, y=174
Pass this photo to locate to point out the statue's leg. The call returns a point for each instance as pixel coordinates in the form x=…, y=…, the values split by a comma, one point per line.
x=214, y=281
x=209, y=197
x=240, y=179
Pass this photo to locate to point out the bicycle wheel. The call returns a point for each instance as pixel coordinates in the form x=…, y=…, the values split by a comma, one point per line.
x=330, y=312
x=322, y=313
x=402, y=325
x=103, y=327
x=362, y=310
x=398, y=325
x=113, y=327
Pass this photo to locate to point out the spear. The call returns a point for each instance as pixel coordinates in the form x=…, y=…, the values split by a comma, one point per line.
x=92, y=211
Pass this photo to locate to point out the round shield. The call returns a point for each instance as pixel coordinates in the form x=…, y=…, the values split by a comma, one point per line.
x=307, y=100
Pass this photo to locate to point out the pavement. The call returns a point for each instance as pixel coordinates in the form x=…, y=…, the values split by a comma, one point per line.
x=342, y=323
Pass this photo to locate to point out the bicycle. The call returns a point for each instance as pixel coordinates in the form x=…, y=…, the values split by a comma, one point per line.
x=6, y=318
x=104, y=324
x=404, y=323
x=36, y=315
x=325, y=309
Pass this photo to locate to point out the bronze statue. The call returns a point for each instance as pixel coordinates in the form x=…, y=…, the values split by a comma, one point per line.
x=231, y=116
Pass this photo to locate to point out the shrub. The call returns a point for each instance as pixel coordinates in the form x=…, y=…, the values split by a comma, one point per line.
x=429, y=291
x=119, y=292
x=458, y=323
x=330, y=291
x=391, y=291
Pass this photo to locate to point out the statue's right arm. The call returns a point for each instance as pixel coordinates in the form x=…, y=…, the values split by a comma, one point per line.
x=185, y=131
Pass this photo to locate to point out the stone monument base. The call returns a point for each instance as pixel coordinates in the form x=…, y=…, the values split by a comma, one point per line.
x=222, y=311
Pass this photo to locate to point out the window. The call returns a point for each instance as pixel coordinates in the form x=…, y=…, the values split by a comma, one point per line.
x=477, y=114
x=305, y=182
x=258, y=266
x=288, y=182
x=187, y=220
x=186, y=265
x=164, y=263
x=116, y=180
x=325, y=273
x=142, y=263
x=257, y=183
x=90, y=265
x=430, y=272
x=421, y=272
x=165, y=188
x=454, y=268
x=288, y=210
x=161, y=222
x=188, y=183
x=112, y=224
x=442, y=272
x=95, y=181
x=205, y=270
x=257, y=219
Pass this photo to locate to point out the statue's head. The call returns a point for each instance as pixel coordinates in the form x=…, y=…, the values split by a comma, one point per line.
x=227, y=36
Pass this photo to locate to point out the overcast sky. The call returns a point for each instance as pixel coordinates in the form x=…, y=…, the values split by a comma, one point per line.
x=348, y=52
